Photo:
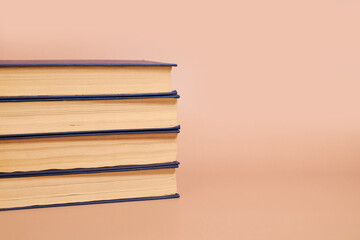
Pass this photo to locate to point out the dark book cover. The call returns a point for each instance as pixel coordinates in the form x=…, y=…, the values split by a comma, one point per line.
x=176, y=195
x=80, y=62
x=172, y=94
x=123, y=168
x=175, y=129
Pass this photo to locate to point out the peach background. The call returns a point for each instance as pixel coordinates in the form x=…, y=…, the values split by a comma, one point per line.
x=269, y=111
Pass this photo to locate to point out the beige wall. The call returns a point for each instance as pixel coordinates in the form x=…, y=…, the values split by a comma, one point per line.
x=267, y=87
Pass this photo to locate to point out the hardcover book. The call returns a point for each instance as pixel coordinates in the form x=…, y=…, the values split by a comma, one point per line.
x=83, y=77
x=68, y=188
x=31, y=115
x=84, y=150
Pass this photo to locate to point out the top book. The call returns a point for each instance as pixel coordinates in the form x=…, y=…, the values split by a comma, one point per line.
x=83, y=77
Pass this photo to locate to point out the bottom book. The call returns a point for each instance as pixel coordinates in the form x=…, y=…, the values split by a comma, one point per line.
x=74, y=188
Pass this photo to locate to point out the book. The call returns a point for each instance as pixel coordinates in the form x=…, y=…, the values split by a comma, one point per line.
x=73, y=188
x=83, y=77
x=32, y=115
x=26, y=154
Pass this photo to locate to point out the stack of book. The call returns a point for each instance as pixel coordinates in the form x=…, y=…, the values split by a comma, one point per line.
x=76, y=132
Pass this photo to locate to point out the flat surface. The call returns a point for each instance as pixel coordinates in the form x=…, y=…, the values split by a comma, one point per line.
x=80, y=62
x=269, y=114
